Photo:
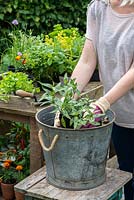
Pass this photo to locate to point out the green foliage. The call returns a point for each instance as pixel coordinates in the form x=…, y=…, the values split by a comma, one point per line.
x=26, y=52
x=8, y=176
x=64, y=49
x=14, y=81
x=41, y=16
x=14, y=165
x=69, y=108
x=45, y=56
x=15, y=154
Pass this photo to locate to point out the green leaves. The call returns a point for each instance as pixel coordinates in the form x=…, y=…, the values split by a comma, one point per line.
x=46, y=56
x=71, y=110
x=14, y=81
x=48, y=13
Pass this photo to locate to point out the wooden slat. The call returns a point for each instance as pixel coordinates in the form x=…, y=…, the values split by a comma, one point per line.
x=41, y=190
x=113, y=162
x=13, y=117
x=18, y=105
x=31, y=180
x=114, y=181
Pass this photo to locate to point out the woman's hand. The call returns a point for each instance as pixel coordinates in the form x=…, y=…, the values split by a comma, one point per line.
x=99, y=107
x=102, y=103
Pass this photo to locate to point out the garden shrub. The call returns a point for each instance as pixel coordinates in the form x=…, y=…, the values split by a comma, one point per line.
x=41, y=16
x=45, y=57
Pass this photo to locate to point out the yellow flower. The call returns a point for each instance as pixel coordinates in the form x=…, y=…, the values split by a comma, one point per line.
x=18, y=57
x=48, y=41
x=19, y=167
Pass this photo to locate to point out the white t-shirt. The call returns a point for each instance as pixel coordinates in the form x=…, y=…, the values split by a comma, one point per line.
x=112, y=35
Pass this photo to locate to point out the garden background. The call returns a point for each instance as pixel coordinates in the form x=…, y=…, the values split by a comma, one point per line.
x=41, y=16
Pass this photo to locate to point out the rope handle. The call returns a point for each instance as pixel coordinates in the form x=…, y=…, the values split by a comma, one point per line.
x=42, y=143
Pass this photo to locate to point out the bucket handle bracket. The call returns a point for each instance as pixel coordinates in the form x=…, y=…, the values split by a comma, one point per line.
x=42, y=143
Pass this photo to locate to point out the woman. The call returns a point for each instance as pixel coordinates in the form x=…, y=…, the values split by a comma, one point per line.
x=110, y=44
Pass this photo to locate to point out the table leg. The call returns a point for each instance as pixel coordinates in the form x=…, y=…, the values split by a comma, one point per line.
x=36, y=154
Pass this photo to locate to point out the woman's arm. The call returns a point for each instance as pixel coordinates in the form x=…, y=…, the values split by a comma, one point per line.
x=125, y=84
x=85, y=66
x=121, y=87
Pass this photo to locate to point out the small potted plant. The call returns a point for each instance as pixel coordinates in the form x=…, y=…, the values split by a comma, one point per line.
x=13, y=169
x=14, y=159
x=75, y=155
x=11, y=173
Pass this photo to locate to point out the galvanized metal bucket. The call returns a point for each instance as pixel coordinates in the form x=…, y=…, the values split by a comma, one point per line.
x=75, y=159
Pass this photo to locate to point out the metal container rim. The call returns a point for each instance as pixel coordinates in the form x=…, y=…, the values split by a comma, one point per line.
x=66, y=129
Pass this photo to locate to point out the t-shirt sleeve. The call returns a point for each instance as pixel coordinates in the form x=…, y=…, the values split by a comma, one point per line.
x=91, y=23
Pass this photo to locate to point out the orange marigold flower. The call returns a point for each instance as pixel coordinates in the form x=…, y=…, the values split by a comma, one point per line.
x=19, y=167
x=18, y=57
x=6, y=165
x=8, y=160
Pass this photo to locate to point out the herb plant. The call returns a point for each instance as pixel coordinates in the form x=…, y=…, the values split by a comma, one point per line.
x=70, y=109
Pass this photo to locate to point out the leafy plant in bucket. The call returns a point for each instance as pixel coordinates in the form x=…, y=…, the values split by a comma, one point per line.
x=72, y=111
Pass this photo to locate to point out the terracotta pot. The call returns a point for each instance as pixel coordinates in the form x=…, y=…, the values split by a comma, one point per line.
x=19, y=195
x=8, y=191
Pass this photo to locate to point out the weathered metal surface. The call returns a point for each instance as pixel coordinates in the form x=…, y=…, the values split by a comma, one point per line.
x=78, y=160
x=37, y=187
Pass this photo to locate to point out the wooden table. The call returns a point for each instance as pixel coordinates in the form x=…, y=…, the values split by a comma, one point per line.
x=36, y=187
x=23, y=110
